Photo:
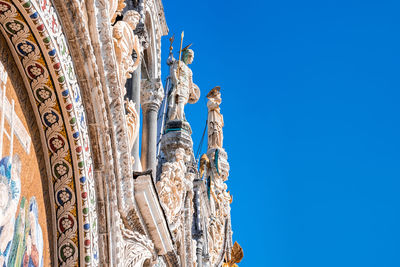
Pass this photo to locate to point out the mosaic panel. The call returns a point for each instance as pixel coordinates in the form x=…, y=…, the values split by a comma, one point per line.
x=34, y=34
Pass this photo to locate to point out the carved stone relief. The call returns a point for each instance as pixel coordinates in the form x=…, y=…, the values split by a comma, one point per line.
x=132, y=121
x=115, y=8
x=126, y=43
x=171, y=186
x=137, y=248
x=151, y=93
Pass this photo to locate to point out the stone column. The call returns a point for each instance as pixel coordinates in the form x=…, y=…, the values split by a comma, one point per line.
x=197, y=229
x=152, y=94
x=199, y=252
x=133, y=93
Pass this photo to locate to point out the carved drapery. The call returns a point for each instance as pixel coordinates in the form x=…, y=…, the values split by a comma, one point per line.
x=183, y=89
x=126, y=43
x=215, y=120
x=132, y=121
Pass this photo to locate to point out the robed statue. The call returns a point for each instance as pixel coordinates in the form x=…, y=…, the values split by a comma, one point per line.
x=215, y=119
x=183, y=89
x=126, y=43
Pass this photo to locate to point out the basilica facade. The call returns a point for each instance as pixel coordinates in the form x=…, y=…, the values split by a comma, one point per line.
x=84, y=179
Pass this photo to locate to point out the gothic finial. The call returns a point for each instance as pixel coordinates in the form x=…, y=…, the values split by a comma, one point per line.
x=171, y=40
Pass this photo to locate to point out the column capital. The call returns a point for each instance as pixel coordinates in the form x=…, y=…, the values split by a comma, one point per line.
x=152, y=94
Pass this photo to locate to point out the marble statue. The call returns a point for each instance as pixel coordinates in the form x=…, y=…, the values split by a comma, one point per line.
x=125, y=43
x=184, y=90
x=215, y=119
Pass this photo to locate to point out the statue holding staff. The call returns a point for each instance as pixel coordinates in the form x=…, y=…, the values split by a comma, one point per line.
x=183, y=89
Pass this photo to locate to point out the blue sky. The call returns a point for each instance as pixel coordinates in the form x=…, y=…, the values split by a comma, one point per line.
x=311, y=98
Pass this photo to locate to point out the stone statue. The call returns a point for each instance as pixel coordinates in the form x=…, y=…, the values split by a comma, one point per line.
x=126, y=43
x=184, y=90
x=215, y=119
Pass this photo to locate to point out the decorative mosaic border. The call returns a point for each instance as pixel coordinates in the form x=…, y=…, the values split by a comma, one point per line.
x=34, y=32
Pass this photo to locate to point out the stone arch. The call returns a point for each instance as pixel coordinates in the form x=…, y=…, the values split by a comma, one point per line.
x=158, y=29
x=150, y=65
x=94, y=51
x=37, y=43
x=11, y=82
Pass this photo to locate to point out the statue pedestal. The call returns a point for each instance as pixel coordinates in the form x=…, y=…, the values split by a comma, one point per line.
x=219, y=162
x=177, y=134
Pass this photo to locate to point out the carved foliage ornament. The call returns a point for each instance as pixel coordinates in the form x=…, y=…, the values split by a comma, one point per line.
x=151, y=92
x=171, y=186
x=216, y=237
x=137, y=248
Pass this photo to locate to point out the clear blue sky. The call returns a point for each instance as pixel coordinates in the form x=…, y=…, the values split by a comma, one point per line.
x=311, y=99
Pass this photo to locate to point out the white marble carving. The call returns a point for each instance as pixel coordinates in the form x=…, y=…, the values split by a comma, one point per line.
x=215, y=119
x=215, y=239
x=132, y=123
x=151, y=92
x=137, y=248
x=126, y=43
x=171, y=186
x=184, y=90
